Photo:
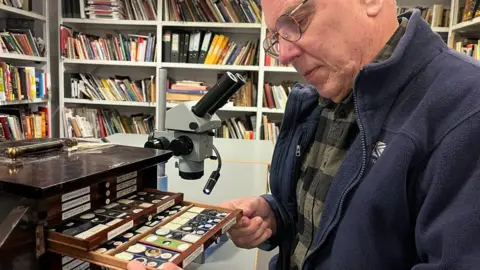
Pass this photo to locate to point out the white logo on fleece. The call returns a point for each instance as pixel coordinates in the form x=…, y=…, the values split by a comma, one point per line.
x=378, y=150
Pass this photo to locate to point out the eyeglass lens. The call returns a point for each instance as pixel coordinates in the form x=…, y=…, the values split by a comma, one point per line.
x=288, y=28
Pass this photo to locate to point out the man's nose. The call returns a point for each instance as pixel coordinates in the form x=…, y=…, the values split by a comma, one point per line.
x=288, y=51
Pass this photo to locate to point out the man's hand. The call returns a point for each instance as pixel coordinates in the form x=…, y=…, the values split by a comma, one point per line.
x=136, y=265
x=257, y=224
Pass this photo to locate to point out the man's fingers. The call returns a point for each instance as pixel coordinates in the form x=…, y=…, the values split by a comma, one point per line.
x=264, y=237
x=251, y=242
x=135, y=265
x=254, y=225
x=257, y=233
x=170, y=266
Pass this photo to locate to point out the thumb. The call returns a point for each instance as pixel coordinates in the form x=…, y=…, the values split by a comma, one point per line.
x=246, y=207
x=170, y=266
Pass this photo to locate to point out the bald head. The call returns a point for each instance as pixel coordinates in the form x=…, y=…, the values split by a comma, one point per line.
x=338, y=38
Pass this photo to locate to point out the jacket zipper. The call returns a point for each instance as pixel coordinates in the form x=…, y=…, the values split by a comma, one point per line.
x=359, y=176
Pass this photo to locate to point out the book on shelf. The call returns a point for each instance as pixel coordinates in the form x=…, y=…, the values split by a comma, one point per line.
x=23, y=123
x=18, y=37
x=20, y=4
x=110, y=9
x=436, y=15
x=207, y=47
x=237, y=128
x=85, y=122
x=22, y=83
x=187, y=90
x=223, y=11
x=469, y=47
x=111, y=47
x=269, y=129
x=116, y=88
x=275, y=96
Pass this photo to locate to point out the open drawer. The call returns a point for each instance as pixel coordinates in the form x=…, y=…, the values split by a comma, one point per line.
x=179, y=234
x=88, y=230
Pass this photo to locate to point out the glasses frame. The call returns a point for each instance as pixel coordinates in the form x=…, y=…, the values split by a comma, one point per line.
x=269, y=42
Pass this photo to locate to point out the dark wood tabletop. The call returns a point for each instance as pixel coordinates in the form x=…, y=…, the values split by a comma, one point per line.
x=48, y=173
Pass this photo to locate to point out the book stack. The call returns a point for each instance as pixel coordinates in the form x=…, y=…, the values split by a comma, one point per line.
x=224, y=11
x=436, y=15
x=23, y=123
x=110, y=9
x=185, y=90
x=117, y=88
x=119, y=47
x=21, y=4
x=275, y=96
x=22, y=83
x=208, y=48
x=105, y=9
x=99, y=123
x=188, y=90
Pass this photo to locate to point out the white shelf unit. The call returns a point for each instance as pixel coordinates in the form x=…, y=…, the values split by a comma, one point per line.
x=256, y=30
x=40, y=15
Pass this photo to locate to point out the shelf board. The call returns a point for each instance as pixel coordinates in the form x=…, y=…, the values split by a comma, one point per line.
x=213, y=24
x=280, y=69
x=108, y=21
x=441, y=29
x=211, y=67
x=23, y=13
x=224, y=109
x=109, y=63
x=468, y=26
x=14, y=56
x=109, y=102
x=268, y=110
x=18, y=102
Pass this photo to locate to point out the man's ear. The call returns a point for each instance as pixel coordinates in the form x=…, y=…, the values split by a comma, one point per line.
x=372, y=7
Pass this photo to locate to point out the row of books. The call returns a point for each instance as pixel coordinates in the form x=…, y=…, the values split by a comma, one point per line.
x=237, y=128
x=436, y=15
x=21, y=41
x=469, y=47
x=98, y=123
x=112, y=9
x=186, y=90
x=275, y=96
x=119, y=47
x=116, y=88
x=208, y=48
x=23, y=123
x=21, y=4
x=22, y=83
x=243, y=128
x=229, y=11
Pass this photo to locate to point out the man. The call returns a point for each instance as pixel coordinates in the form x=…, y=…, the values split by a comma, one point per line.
x=376, y=167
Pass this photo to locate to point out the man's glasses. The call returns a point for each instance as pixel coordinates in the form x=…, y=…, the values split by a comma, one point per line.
x=287, y=28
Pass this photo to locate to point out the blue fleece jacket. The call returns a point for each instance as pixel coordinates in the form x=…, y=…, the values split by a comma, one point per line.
x=407, y=195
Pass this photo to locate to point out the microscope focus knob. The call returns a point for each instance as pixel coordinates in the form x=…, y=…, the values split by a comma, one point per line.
x=181, y=146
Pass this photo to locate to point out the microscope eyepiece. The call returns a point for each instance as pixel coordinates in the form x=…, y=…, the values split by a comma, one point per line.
x=215, y=94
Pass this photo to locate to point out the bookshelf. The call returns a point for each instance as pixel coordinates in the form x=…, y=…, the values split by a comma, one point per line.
x=25, y=86
x=167, y=22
